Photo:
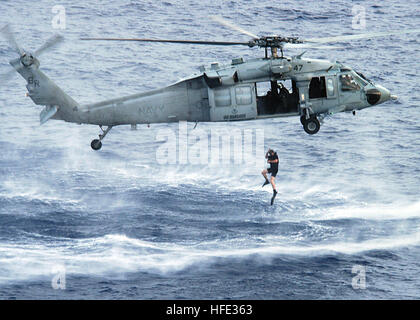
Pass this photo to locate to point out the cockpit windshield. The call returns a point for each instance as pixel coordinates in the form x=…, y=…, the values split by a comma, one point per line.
x=362, y=78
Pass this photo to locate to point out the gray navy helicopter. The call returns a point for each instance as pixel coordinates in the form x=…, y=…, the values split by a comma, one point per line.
x=261, y=88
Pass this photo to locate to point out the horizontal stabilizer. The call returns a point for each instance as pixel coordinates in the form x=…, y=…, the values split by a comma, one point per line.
x=47, y=113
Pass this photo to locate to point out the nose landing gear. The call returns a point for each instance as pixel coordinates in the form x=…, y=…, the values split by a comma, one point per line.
x=96, y=144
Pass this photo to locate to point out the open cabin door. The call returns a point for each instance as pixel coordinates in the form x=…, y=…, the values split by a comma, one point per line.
x=231, y=103
x=277, y=98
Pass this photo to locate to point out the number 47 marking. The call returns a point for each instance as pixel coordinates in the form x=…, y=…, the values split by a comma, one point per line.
x=298, y=67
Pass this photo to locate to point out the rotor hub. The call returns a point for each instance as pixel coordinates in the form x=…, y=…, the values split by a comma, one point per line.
x=27, y=59
x=273, y=41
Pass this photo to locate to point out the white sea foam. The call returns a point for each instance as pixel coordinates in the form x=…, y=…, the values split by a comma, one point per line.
x=116, y=255
x=375, y=212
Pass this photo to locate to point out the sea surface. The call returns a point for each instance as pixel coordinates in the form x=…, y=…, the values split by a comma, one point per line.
x=118, y=224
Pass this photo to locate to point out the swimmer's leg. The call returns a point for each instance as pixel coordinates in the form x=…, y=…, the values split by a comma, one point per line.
x=264, y=173
x=273, y=184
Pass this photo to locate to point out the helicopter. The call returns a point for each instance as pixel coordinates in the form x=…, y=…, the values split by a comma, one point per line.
x=219, y=93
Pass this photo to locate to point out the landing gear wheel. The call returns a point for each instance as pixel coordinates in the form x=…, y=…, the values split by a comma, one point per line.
x=302, y=119
x=96, y=144
x=312, y=125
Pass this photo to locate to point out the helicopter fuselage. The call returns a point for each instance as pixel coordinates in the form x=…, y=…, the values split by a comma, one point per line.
x=231, y=93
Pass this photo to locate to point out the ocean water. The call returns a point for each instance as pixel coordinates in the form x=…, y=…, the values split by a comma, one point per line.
x=116, y=224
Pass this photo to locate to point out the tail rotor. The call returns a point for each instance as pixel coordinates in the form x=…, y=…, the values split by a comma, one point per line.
x=26, y=59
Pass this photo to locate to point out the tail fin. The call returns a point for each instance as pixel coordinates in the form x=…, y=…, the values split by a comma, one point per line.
x=42, y=91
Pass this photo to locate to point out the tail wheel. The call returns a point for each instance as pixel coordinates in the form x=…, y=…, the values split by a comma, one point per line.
x=312, y=125
x=96, y=144
x=302, y=119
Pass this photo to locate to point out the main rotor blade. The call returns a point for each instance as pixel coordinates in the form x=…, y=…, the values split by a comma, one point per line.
x=359, y=36
x=233, y=26
x=6, y=76
x=8, y=35
x=50, y=43
x=309, y=46
x=216, y=43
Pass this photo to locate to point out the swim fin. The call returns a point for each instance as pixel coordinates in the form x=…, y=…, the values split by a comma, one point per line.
x=265, y=183
x=274, y=195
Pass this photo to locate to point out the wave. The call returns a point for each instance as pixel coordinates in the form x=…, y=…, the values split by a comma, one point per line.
x=375, y=212
x=115, y=255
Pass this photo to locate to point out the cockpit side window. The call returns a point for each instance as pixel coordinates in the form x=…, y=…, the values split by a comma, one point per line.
x=348, y=83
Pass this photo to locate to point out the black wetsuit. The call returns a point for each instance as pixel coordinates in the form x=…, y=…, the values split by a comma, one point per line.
x=274, y=167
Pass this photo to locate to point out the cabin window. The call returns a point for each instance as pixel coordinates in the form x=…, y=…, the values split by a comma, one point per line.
x=348, y=83
x=330, y=87
x=317, y=88
x=222, y=97
x=243, y=95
